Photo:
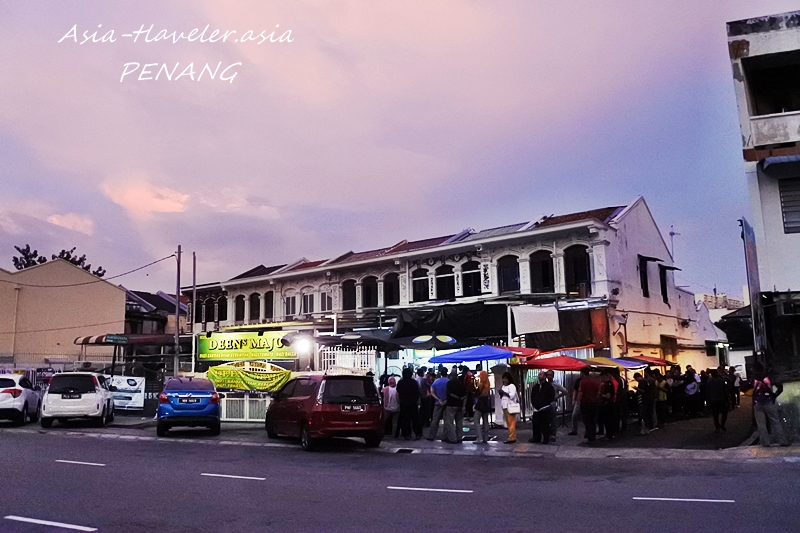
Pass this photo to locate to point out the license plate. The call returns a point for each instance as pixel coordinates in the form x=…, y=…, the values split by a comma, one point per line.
x=190, y=400
x=354, y=407
x=70, y=396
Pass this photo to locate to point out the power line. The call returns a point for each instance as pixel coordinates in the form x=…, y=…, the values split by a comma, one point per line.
x=60, y=329
x=98, y=280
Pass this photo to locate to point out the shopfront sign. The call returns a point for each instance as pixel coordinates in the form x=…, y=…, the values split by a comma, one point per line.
x=249, y=376
x=244, y=346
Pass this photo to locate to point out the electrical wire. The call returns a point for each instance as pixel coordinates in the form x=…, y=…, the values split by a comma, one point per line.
x=98, y=280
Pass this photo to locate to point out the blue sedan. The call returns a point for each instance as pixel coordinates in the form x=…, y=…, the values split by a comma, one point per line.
x=188, y=402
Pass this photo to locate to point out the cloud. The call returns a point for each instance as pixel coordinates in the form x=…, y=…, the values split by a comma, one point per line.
x=142, y=199
x=73, y=221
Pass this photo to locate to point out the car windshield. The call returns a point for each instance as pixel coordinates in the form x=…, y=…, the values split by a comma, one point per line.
x=347, y=389
x=189, y=384
x=66, y=383
x=5, y=382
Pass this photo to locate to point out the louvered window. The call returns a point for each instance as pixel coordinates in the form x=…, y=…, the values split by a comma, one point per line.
x=790, y=204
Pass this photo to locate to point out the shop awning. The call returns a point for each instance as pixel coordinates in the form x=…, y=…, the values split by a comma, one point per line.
x=479, y=353
x=622, y=364
x=117, y=339
x=559, y=362
x=657, y=361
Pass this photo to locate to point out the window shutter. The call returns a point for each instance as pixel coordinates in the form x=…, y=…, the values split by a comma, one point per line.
x=790, y=204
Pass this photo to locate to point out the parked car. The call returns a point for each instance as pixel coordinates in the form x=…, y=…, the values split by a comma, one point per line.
x=188, y=402
x=78, y=395
x=19, y=399
x=320, y=406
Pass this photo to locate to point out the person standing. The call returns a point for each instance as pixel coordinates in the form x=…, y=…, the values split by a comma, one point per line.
x=737, y=386
x=408, y=396
x=691, y=387
x=662, y=389
x=439, y=395
x=588, y=398
x=717, y=399
x=542, y=396
x=425, y=399
x=622, y=398
x=765, y=391
x=470, y=386
x=607, y=404
x=454, y=414
x=560, y=392
x=391, y=407
x=576, y=406
x=483, y=407
x=509, y=400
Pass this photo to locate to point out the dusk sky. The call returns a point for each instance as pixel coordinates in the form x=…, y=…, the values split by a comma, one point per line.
x=379, y=121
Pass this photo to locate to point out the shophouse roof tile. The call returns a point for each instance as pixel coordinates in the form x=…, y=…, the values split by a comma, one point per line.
x=603, y=215
x=306, y=265
x=258, y=271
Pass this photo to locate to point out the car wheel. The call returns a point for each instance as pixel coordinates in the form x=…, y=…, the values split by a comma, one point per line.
x=35, y=416
x=47, y=422
x=215, y=428
x=161, y=429
x=111, y=414
x=374, y=440
x=269, y=425
x=101, y=420
x=306, y=441
x=22, y=416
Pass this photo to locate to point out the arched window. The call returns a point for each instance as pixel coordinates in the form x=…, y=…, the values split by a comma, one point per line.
x=239, y=308
x=471, y=278
x=369, y=292
x=209, y=305
x=542, y=279
x=445, y=283
x=576, y=270
x=391, y=289
x=198, y=311
x=255, y=306
x=419, y=285
x=269, y=305
x=222, y=309
x=348, y=295
x=508, y=274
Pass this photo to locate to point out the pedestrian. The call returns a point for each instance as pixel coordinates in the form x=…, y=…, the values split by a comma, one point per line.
x=641, y=391
x=737, y=386
x=483, y=407
x=588, y=398
x=509, y=401
x=576, y=406
x=425, y=399
x=542, y=397
x=765, y=391
x=439, y=395
x=662, y=390
x=408, y=396
x=470, y=386
x=391, y=407
x=454, y=414
x=691, y=388
x=717, y=399
x=606, y=407
x=678, y=393
x=560, y=392
x=622, y=398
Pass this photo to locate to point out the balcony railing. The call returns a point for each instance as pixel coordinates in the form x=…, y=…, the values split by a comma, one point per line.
x=774, y=129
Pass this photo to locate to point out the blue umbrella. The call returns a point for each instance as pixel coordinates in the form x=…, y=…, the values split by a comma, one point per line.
x=478, y=353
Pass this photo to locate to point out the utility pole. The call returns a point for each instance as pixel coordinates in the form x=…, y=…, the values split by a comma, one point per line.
x=672, y=241
x=194, y=311
x=175, y=360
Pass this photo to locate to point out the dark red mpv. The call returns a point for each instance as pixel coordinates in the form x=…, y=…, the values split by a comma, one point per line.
x=320, y=406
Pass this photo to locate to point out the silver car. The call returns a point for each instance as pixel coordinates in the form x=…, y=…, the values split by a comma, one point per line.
x=19, y=399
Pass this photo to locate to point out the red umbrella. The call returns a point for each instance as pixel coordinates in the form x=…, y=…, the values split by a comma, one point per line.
x=522, y=352
x=559, y=362
x=650, y=360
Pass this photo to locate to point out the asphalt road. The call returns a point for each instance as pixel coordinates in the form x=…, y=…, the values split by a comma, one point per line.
x=174, y=485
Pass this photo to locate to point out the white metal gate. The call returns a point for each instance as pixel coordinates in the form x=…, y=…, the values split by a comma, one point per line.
x=355, y=358
x=244, y=408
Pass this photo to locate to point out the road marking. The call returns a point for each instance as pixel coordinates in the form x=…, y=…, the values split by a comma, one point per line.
x=685, y=500
x=49, y=523
x=235, y=477
x=430, y=490
x=79, y=463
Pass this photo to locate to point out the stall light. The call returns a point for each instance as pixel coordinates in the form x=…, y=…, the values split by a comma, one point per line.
x=303, y=345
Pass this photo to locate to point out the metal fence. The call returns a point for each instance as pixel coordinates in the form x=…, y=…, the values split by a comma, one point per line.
x=357, y=358
x=244, y=407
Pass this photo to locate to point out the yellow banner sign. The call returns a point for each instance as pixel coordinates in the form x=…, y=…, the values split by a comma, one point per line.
x=244, y=346
x=249, y=376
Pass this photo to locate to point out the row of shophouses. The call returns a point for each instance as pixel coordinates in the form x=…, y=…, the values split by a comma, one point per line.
x=611, y=263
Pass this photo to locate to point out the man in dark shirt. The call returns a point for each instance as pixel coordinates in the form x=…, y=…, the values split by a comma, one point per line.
x=408, y=396
x=588, y=398
x=576, y=407
x=542, y=396
x=717, y=398
x=453, y=414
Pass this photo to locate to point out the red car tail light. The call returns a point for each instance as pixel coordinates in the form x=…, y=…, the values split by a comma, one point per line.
x=13, y=392
x=162, y=398
x=214, y=398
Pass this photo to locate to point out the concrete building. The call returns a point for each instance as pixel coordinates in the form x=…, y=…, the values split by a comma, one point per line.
x=43, y=309
x=611, y=259
x=765, y=57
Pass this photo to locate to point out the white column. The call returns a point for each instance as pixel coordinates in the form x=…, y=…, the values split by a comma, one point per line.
x=403, y=282
x=231, y=308
x=335, y=298
x=380, y=293
x=524, y=275
x=600, y=283
x=488, y=279
x=263, y=305
x=459, y=285
x=359, y=295
x=559, y=276
x=431, y=286
x=247, y=309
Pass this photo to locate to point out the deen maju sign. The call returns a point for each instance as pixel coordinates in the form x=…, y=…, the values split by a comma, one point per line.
x=244, y=346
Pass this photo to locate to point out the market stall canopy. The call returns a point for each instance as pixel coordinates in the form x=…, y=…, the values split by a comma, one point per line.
x=476, y=320
x=434, y=341
x=523, y=353
x=478, y=353
x=622, y=364
x=559, y=362
x=657, y=361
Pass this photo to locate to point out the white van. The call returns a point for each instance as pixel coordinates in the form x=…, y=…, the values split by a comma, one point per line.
x=78, y=395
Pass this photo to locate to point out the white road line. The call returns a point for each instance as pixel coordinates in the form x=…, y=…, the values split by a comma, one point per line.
x=236, y=477
x=49, y=523
x=430, y=490
x=79, y=463
x=684, y=500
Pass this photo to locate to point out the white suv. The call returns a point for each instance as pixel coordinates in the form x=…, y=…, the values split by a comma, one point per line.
x=78, y=395
x=19, y=399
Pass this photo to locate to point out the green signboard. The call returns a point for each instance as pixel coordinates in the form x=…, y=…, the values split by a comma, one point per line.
x=116, y=339
x=244, y=346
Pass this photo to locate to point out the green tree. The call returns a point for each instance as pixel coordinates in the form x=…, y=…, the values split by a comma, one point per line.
x=28, y=258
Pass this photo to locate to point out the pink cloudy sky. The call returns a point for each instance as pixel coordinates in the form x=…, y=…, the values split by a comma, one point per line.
x=380, y=121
